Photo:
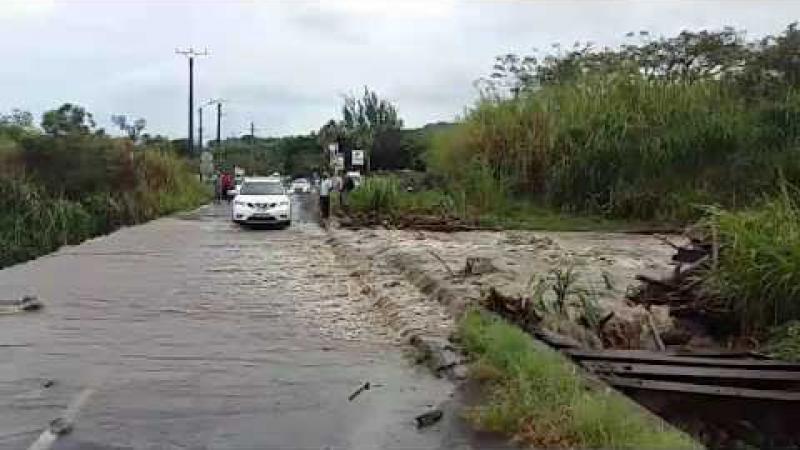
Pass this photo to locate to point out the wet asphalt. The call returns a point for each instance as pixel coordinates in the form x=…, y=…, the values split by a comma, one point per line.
x=190, y=332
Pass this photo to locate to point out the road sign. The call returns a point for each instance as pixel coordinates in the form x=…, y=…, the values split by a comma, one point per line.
x=358, y=157
x=206, y=165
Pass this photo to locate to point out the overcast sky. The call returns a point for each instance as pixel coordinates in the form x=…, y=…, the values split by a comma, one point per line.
x=286, y=64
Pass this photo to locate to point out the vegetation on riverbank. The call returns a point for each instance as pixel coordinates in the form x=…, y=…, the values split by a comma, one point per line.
x=535, y=396
x=757, y=275
x=388, y=197
x=72, y=182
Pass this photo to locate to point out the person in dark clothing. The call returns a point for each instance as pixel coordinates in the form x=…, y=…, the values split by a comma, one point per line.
x=347, y=186
x=325, y=197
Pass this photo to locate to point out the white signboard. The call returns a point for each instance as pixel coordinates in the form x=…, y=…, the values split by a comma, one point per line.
x=340, y=162
x=333, y=148
x=206, y=165
x=358, y=157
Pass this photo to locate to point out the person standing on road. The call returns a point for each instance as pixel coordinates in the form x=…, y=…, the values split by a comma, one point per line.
x=325, y=197
x=347, y=186
x=218, y=187
x=227, y=185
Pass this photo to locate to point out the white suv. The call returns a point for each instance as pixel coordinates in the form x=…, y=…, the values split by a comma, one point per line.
x=262, y=201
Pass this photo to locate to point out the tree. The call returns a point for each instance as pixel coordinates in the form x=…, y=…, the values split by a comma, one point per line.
x=16, y=124
x=368, y=115
x=688, y=57
x=365, y=117
x=17, y=118
x=133, y=129
x=67, y=120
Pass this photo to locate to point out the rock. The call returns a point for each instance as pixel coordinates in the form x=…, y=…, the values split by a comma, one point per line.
x=478, y=265
x=438, y=353
x=30, y=303
x=429, y=418
x=60, y=426
x=459, y=372
x=676, y=337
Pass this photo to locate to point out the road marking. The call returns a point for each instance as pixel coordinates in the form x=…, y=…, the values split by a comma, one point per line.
x=66, y=420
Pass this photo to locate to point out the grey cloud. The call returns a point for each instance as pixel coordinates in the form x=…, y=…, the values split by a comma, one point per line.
x=285, y=65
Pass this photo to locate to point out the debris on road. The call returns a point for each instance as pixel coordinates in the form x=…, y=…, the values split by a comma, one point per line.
x=411, y=222
x=30, y=303
x=429, y=418
x=60, y=426
x=364, y=387
x=478, y=265
x=27, y=303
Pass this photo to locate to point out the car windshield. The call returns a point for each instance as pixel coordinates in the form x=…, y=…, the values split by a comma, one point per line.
x=261, y=188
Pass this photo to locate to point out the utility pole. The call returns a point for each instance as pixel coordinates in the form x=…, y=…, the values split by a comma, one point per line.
x=200, y=129
x=191, y=53
x=252, y=132
x=219, y=123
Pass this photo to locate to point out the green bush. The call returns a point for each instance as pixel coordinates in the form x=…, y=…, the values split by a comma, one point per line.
x=758, y=273
x=784, y=341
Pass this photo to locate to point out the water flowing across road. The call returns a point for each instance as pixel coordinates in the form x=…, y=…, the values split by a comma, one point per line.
x=189, y=332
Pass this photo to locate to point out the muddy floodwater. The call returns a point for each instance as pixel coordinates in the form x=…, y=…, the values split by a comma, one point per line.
x=189, y=332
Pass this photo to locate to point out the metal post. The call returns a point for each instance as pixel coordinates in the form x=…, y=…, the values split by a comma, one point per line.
x=200, y=129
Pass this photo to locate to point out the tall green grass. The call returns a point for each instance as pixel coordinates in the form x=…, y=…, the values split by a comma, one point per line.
x=758, y=272
x=386, y=196
x=35, y=221
x=378, y=195
x=537, y=397
x=626, y=147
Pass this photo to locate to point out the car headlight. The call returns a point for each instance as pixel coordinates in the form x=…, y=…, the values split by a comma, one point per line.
x=238, y=203
x=284, y=203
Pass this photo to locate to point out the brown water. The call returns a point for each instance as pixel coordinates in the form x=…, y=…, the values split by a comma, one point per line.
x=196, y=334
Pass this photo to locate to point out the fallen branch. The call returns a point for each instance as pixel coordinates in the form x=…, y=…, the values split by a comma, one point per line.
x=364, y=387
x=444, y=263
x=654, y=330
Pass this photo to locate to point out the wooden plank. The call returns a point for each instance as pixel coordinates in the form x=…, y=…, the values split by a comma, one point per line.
x=701, y=389
x=623, y=368
x=644, y=356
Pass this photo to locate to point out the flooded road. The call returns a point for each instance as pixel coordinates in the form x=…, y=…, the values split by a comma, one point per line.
x=189, y=332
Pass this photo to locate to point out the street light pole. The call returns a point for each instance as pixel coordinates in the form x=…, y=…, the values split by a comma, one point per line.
x=191, y=53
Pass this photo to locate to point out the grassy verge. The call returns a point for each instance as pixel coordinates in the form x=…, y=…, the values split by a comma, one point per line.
x=535, y=396
x=386, y=196
x=527, y=216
